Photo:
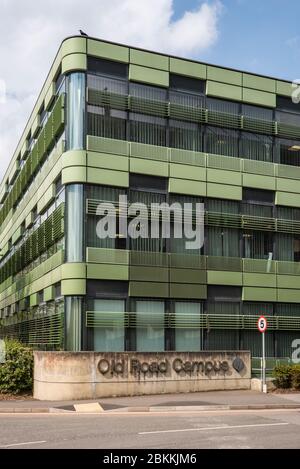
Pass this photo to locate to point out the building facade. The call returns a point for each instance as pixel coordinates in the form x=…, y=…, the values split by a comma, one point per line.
x=113, y=120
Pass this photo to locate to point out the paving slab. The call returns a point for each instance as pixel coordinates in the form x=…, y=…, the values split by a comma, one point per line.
x=211, y=400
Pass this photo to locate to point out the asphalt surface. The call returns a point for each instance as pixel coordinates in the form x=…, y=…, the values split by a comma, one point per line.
x=224, y=429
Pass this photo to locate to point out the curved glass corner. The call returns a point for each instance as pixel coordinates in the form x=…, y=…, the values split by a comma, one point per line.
x=76, y=111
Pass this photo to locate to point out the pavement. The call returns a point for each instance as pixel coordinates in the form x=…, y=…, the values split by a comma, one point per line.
x=196, y=402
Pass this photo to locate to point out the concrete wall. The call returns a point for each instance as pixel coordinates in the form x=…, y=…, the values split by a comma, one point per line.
x=88, y=375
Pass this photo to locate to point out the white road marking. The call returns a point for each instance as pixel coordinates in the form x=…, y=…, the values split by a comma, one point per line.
x=25, y=443
x=225, y=427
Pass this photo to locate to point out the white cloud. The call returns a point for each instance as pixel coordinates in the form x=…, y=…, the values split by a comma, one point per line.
x=31, y=32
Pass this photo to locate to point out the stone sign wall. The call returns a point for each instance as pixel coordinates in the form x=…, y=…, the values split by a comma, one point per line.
x=88, y=375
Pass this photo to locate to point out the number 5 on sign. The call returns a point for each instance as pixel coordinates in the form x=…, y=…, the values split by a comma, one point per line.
x=262, y=324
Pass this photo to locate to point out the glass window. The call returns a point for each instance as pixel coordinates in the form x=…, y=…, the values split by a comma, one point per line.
x=221, y=105
x=106, y=122
x=257, y=210
x=258, y=245
x=150, y=333
x=285, y=103
x=287, y=247
x=256, y=147
x=257, y=112
x=180, y=82
x=223, y=241
x=224, y=339
x=288, y=151
x=222, y=206
x=107, y=67
x=288, y=213
x=188, y=334
x=185, y=135
x=147, y=92
x=221, y=141
x=147, y=129
x=258, y=195
x=187, y=99
x=288, y=118
x=178, y=245
x=98, y=194
x=148, y=243
x=105, y=84
x=109, y=336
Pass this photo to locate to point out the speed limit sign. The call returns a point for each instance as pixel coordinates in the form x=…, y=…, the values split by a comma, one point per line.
x=262, y=324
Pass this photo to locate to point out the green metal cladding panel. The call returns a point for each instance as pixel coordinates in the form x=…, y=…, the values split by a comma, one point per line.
x=188, y=276
x=154, y=168
x=148, y=75
x=73, y=270
x=224, y=278
x=288, y=185
x=187, y=291
x=148, y=274
x=224, y=76
x=73, y=45
x=46, y=199
x=17, y=235
x=256, y=280
x=151, y=152
x=74, y=62
x=182, y=171
x=107, y=271
x=108, y=51
x=288, y=295
x=107, y=161
x=258, y=181
x=107, y=177
x=36, y=126
x=50, y=96
x=49, y=293
x=190, y=69
x=107, y=145
x=34, y=299
x=261, y=98
x=149, y=289
x=223, y=191
x=259, y=294
x=288, y=281
x=284, y=89
x=149, y=59
x=101, y=255
x=73, y=287
x=184, y=186
x=285, y=198
x=222, y=90
x=259, y=83
x=73, y=158
x=74, y=174
x=224, y=177
x=258, y=167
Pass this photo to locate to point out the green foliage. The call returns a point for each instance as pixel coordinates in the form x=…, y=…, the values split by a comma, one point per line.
x=296, y=376
x=283, y=376
x=287, y=376
x=16, y=373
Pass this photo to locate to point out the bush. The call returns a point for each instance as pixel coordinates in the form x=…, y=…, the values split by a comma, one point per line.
x=283, y=376
x=16, y=373
x=295, y=374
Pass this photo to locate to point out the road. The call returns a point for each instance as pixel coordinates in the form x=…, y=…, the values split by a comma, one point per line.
x=215, y=429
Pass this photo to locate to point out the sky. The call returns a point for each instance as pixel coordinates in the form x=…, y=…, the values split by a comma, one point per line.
x=260, y=36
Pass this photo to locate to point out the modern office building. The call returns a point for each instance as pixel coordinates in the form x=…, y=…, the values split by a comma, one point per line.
x=114, y=120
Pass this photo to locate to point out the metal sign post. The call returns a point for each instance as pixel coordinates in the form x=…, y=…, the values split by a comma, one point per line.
x=262, y=327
